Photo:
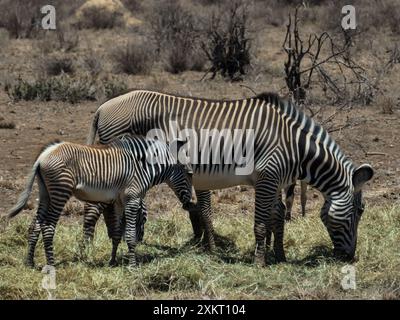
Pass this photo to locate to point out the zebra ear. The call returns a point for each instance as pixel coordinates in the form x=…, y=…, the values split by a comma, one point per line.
x=361, y=175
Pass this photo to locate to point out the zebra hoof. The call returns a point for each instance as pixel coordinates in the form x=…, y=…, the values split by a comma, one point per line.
x=288, y=217
x=280, y=258
x=112, y=263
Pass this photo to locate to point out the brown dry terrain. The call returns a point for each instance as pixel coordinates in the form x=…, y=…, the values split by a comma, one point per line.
x=373, y=139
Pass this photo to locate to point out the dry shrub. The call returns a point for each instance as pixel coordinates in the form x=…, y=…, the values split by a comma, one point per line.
x=133, y=58
x=20, y=18
x=64, y=88
x=113, y=87
x=133, y=6
x=390, y=13
x=388, y=105
x=63, y=39
x=176, y=35
x=209, y=2
x=7, y=125
x=228, y=42
x=61, y=88
x=92, y=64
x=179, y=58
x=271, y=12
x=54, y=65
x=99, y=17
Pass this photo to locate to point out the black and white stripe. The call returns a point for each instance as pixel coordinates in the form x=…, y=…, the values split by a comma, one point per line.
x=289, y=146
x=118, y=175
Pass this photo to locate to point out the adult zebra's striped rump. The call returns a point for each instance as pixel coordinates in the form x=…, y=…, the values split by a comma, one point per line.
x=117, y=175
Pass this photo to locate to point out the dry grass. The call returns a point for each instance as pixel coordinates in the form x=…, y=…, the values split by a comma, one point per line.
x=172, y=268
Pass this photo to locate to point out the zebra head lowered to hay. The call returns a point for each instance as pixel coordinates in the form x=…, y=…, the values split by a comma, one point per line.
x=119, y=173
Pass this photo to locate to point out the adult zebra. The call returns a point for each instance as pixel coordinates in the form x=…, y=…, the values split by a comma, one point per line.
x=288, y=146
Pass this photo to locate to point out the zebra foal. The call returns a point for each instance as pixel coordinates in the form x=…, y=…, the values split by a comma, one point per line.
x=119, y=174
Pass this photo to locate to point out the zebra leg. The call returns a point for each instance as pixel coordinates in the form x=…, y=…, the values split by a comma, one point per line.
x=268, y=237
x=142, y=218
x=92, y=214
x=34, y=233
x=279, y=226
x=112, y=219
x=303, y=197
x=35, y=229
x=49, y=221
x=266, y=195
x=205, y=219
x=203, y=202
x=289, y=201
x=131, y=212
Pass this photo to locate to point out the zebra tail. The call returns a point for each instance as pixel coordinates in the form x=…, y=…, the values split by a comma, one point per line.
x=24, y=196
x=93, y=129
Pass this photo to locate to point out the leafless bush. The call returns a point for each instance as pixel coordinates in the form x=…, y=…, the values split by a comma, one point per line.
x=62, y=39
x=210, y=2
x=132, y=5
x=391, y=14
x=20, y=18
x=133, y=58
x=182, y=56
x=394, y=54
x=54, y=65
x=93, y=17
x=322, y=61
x=388, y=105
x=228, y=43
x=176, y=35
x=92, y=64
x=170, y=22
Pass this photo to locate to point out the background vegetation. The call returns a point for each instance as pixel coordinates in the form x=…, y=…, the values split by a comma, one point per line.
x=51, y=82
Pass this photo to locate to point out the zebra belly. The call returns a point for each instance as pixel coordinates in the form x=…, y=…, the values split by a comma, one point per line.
x=88, y=193
x=221, y=180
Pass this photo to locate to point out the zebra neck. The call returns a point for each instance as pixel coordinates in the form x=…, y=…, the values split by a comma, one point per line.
x=326, y=171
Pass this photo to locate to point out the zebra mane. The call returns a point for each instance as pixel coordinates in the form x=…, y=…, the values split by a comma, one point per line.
x=283, y=103
x=290, y=109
